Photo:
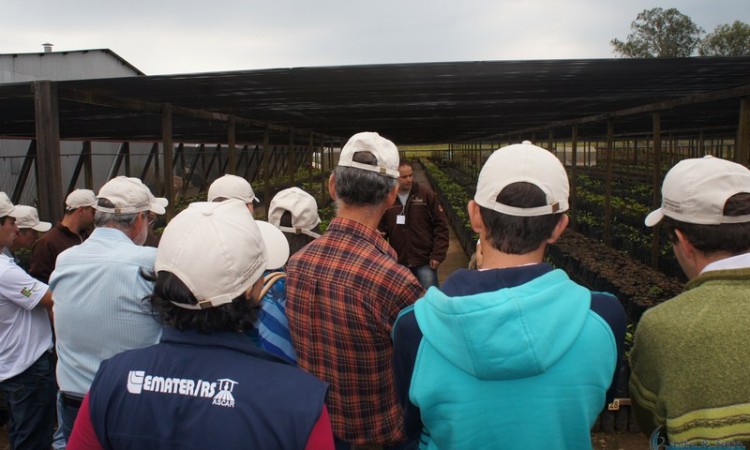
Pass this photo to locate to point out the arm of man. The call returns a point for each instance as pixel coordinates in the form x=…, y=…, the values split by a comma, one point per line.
x=42, y=262
x=440, y=232
x=644, y=379
x=608, y=307
x=47, y=303
x=406, y=337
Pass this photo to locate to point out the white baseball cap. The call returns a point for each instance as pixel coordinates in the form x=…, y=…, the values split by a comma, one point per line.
x=6, y=206
x=525, y=163
x=218, y=251
x=384, y=151
x=302, y=207
x=28, y=217
x=129, y=195
x=231, y=186
x=695, y=191
x=277, y=247
x=80, y=198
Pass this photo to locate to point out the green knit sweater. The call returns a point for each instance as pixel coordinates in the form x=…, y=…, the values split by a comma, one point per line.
x=690, y=364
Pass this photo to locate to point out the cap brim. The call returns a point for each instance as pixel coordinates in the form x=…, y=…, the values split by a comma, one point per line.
x=42, y=227
x=654, y=218
x=277, y=247
x=159, y=205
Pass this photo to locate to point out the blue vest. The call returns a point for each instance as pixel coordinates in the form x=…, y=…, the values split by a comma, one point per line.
x=194, y=391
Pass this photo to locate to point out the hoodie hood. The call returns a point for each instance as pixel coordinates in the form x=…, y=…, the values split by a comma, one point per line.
x=512, y=332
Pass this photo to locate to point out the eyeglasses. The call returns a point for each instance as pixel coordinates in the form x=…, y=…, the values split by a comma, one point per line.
x=150, y=218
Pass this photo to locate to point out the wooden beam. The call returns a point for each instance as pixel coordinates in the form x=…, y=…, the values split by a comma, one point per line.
x=166, y=132
x=28, y=162
x=706, y=97
x=92, y=98
x=49, y=172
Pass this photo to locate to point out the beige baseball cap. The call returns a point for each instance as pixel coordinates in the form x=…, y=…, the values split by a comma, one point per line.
x=302, y=207
x=80, y=198
x=28, y=217
x=6, y=206
x=219, y=251
x=695, y=191
x=129, y=195
x=526, y=163
x=231, y=186
x=384, y=151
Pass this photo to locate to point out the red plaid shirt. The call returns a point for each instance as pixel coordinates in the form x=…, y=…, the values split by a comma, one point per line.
x=344, y=291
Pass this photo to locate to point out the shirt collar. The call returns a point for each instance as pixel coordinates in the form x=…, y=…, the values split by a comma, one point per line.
x=733, y=262
x=358, y=230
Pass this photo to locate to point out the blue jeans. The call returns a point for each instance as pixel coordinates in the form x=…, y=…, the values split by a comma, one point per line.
x=31, y=400
x=69, y=412
x=426, y=275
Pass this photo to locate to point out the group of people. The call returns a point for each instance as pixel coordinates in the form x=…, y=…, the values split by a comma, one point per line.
x=240, y=333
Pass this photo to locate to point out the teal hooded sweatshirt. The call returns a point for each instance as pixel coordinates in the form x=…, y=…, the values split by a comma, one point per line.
x=523, y=367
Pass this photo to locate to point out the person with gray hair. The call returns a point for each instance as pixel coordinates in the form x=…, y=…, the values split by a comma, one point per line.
x=98, y=290
x=345, y=290
x=205, y=385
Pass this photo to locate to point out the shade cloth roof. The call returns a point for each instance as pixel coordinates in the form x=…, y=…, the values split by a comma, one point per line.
x=409, y=103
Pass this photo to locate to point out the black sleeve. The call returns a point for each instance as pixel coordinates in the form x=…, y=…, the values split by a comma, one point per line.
x=609, y=308
x=406, y=339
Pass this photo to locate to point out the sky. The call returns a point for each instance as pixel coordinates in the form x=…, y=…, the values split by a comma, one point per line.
x=193, y=36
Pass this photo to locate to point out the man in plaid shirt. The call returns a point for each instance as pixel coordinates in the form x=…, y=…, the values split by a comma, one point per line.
x=345, y=291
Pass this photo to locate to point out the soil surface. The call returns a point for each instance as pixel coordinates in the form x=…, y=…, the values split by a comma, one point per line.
x=619, y=441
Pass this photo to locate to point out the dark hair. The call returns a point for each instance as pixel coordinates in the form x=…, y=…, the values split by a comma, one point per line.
x=239, y=315
x=3, y=219
x=296, y=240
x=518, y=235
x=733, y=238
x=362, y=187
x=406, y=162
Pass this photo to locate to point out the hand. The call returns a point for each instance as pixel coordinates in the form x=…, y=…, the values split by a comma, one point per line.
x=434, y=264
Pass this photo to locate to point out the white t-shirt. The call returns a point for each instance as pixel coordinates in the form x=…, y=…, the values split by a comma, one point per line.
x=25, y=330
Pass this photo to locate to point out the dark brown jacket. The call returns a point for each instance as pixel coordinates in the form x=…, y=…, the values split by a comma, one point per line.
x=425, y=234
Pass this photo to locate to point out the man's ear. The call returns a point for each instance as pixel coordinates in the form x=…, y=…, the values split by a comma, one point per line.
x=392, y=195
x=332, y=187
x=688, y=249
x=562, y=224
x=475, y=218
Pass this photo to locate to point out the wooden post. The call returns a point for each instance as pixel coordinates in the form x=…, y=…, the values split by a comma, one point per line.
x=743, y=133
x=291, y=158
x=166, y=133
x=608, y=184
x=311, y=152
x=266, y=168
x=574, y=151
x=49, y=172
x=656, y=181
x=231, y=149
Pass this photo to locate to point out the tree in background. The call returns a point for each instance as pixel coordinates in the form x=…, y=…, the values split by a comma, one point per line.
x=727, y=40
x=660, y=33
